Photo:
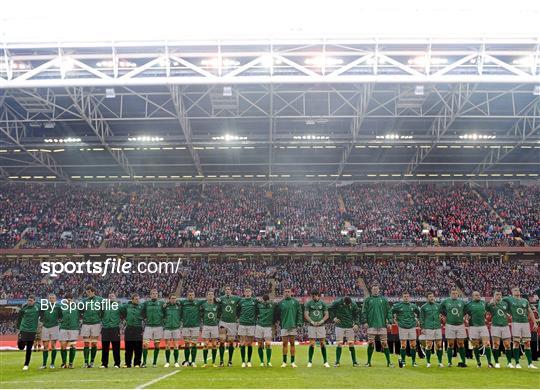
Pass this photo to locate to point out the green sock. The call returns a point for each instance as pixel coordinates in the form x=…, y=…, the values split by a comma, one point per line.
x=496, y=354
x=387, y=354
x=488, y=354
x=323, y=353
x=72, y=352
x=214, y=354
x=353, y=354
x=268, y=354
x=528, y=353
x=167, y=355
x=186, y=353
x=449, y=354
x=86, y=353
x=243, y=353
x=93, y=353
x=156, y=354
x=144, y=355
x=413, y=355
x=176, y=353
x=516, y=355
x=477, y=355
x=261, y=354
x=193, y=353
x=221, y=353
x=508, y=353
x=402, y=354
x=311, y=350
x=462, y=354
x=428, y=355
x=45, y=356
x=284, y=358
x=53, y=356
x=250, y=352
x=63, y=355
x=439, y=355
x=338, y=354
x=292, y=358
x=205, y=355
x=369, y=353
x=231, y=352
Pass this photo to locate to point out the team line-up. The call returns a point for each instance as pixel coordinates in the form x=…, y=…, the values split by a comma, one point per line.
x=230, y=320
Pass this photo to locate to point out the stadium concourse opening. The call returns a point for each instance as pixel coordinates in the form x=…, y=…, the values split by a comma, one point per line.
x=215, y=195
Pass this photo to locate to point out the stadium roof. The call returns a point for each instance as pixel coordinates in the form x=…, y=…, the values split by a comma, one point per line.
x=280, y=109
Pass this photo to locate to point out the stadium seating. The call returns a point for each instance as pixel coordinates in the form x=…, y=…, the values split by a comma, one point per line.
x=41, y=216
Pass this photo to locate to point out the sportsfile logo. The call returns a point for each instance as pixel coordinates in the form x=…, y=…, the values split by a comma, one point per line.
x=67, y=305
x=112, y=265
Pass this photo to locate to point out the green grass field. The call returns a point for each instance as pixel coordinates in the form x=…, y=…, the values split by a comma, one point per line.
x=378, y=376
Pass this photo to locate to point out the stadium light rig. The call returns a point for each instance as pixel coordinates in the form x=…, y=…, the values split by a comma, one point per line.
x=62, y=140
x=228, y=137
x=323, y=61
x=311, y=137
x=423, y=61
x=145, y=138
x=393, y=136
x=215, y=62
x=475, y=136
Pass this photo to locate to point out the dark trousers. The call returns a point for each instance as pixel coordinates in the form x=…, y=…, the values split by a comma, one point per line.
x=133, y=350
x=110, y=336
x=28, y=354
x=133, y=340
x=26, y=341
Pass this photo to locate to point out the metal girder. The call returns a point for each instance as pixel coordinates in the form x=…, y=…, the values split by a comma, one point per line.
x=450, y=111
x=523, y=129
x=356, y=124
x=185, y=125
x=248, y=62
x=91, y=114
x=4, y=175
x=16, y=131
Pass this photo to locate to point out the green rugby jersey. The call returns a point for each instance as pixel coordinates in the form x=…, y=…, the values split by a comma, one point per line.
x=27, y=320
x=51, y=318
x=91, y=313
x=152, y=311
x=406, y=314
x=376, y=311
x=453, y=309
x=228, y=305
x=348, y=315
x=519, y=309
x=499, y=311
x=315, y=310
x=266, y=313
x=430, y=315
x=290, y=313
x=110, y=317
x=477, y=313
x=247, y=311
x=190, y=313
x=133, y=314
x=70, y=318
x=171, y=316
x=210, y=313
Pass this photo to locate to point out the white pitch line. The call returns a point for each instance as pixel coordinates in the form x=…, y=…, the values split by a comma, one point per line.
x=157, y=379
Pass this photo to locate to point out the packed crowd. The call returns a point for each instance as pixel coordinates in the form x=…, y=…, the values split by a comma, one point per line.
x=18, y=278
x=120, y=216
x=332, y=277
